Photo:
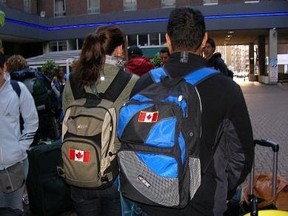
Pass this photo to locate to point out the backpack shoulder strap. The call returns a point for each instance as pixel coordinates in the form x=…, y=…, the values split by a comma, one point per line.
x=16, y=87
x=117, y=86
x=112, y=92
x=195, y=77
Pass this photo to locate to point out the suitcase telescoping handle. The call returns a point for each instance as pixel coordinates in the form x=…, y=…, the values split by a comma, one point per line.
x=275, y=149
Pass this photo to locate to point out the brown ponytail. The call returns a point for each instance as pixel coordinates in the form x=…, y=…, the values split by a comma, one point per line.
x=91, y=61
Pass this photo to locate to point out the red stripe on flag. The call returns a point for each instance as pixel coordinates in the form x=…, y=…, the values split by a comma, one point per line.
x=72, y=154
x=155, y=117
x=86, y=156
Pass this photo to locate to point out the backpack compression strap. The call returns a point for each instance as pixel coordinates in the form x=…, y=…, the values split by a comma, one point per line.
x=194, y=77
x=112, y=92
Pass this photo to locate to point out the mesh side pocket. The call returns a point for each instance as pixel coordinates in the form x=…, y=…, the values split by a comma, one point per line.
x=160, y=190
x=195, y=175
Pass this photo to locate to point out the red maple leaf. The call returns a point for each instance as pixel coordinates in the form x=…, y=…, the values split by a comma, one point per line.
x=79, y=155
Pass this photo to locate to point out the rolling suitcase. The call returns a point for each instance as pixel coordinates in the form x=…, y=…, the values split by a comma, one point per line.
x=48, y=193
x=253, y=199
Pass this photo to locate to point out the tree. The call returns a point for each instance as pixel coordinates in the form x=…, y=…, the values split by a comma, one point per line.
x=156, y=60
x=49, y=68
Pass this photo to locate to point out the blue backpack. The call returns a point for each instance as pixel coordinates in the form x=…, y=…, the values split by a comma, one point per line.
x=160, y=130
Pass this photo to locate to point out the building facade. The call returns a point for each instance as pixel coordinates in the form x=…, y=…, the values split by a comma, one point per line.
x=47, y=27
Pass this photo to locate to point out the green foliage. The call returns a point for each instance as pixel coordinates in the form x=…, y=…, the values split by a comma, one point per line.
x=2, y=18
x=156, y=60
x=49, y=68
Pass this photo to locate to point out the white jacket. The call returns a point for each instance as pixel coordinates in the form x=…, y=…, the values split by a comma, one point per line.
x=13, y=143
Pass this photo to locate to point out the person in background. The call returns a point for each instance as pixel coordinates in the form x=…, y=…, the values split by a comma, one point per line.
x=14, y=141
x=57, y=85
x=44, y=99
x=164, y=55
x=102, y=56
x=226, y=148
x=137, y=63
x=214, y=59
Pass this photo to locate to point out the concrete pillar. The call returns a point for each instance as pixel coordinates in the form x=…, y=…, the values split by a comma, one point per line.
x=272, y=55
x=251, y=62
x=261, y=54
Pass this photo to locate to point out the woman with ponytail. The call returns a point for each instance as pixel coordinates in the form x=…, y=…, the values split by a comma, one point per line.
x=102, y=57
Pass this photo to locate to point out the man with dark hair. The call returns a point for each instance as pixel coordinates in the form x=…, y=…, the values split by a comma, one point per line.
x=214, y=59
x=164, y=55
x=226, y=149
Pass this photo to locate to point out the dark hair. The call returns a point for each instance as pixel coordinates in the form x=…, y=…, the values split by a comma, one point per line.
x=2, y=60
x=211, y=42
x=165, y=50
x=111, y=37
x=134, y=51
x=186, y=29
x=91, y=61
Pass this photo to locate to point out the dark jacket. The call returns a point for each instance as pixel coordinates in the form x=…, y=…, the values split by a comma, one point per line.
x=225, y=124
x=217, y=62
x=139, y=65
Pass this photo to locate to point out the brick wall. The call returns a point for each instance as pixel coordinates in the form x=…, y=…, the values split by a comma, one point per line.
x=147, y=4
x=76, y=7
x=15, y=4
x=47, y=6
x=109, y=6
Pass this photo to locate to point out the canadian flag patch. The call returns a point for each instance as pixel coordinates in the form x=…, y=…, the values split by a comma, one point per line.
x=149, y=117
x=79, y=155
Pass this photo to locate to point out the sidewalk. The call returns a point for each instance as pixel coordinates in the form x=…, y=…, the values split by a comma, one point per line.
x=268, y=109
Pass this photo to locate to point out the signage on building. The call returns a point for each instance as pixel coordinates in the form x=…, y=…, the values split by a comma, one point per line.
x=273, y=70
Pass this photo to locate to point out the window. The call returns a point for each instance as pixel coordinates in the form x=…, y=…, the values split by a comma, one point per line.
x=62, y=45
x=129, y=5
x=143, y=40
x=251, y=1
x=210, y=2
x=154, y=39
x=55, y=46
x=93, y=6
x=80, y=43
x=72, y=44
x=60, y=9
x=132, y=40
x=162, y=39
x=27, y=6
x=168, y=3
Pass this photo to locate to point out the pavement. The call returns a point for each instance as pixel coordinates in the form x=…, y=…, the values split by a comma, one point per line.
x=268, y=109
